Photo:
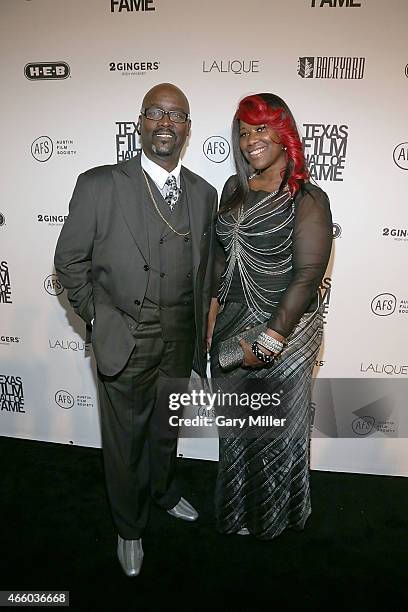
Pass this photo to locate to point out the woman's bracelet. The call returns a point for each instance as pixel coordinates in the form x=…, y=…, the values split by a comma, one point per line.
x=271, y=344
x=259, y=354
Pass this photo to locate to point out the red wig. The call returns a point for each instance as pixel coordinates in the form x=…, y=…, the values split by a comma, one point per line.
x=273, y=111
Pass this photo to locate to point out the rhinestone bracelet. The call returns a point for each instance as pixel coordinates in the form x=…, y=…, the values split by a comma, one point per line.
x=273, y=345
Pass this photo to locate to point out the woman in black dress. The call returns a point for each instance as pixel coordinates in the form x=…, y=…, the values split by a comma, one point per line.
x=274, y=234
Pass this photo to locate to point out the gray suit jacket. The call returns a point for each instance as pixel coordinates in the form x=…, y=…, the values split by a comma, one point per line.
x=102, y=256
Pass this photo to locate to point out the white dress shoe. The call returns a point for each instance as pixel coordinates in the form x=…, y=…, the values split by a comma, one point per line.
x=130, y=555
x=184, y=511
x=243, y=531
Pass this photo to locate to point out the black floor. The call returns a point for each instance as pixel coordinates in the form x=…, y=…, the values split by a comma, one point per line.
x=56, y=533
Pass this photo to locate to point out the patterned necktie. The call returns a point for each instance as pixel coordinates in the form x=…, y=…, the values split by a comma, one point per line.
x=172, y=191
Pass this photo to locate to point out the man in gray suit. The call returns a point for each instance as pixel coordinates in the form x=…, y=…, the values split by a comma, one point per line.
x=135, y=256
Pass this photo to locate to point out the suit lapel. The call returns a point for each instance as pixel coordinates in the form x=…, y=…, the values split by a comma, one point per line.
x=196, y=212
x=130, y=188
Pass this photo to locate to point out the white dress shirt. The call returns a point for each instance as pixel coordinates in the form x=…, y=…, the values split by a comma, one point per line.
x=158, y=174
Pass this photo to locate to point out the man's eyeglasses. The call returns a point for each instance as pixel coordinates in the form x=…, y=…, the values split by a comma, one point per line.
x=155, y=114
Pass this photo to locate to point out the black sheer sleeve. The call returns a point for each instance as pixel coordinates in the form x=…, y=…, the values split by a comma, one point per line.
x=219, y=259
x=312, y=240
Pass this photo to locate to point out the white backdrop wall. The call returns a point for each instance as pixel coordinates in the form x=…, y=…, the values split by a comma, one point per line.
x=74, y=74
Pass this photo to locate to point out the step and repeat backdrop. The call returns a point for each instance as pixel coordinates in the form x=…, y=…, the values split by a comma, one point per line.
x=74, y=75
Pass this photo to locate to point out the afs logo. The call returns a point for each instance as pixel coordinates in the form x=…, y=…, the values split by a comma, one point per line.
x=384, y=304
x=400, y=155
x=52, y=285
x=42, y=148
x=64, y=399
x=216, y=149
x=336, y=230
x=362, y=426
x=46, y=71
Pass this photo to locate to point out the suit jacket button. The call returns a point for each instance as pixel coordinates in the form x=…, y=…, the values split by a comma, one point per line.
x=137, y=302
x=188, y=274
x=161, y=241
x=162, y=274
x=146, y=267
x=186, y=238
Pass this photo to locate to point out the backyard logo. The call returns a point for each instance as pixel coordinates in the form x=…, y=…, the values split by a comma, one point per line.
x=331, y=67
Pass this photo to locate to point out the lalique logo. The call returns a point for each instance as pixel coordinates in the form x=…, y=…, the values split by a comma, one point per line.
x=236, y=66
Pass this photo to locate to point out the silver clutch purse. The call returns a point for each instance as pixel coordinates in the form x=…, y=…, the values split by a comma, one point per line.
x=231, y=354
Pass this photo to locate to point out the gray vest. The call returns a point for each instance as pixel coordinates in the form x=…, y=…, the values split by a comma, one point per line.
x=170, y=284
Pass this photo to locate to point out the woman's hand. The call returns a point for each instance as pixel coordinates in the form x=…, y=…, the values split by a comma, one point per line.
x=250, y=361
x=212, y=317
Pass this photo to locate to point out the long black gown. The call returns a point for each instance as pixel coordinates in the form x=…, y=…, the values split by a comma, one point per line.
x=271, y=258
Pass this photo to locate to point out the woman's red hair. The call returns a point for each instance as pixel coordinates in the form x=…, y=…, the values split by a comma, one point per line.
x=256, y=111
